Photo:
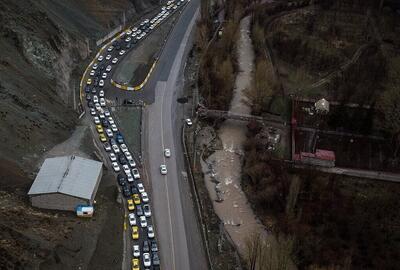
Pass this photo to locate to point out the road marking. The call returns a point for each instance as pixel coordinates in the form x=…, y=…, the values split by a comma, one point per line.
x=166, y=179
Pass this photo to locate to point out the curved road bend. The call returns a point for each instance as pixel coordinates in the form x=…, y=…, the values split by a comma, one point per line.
x=178, y=233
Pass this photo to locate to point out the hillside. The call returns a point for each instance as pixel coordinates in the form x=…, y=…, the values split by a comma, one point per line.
x=45, y=47
x=42, y=42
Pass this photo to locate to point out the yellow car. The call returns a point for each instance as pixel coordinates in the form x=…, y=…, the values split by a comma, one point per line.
x=135, y=264
x=99, y=128
x=89, y=81
x=136, y=198
x=102, y=137
x=131, y=206
x=135, y=232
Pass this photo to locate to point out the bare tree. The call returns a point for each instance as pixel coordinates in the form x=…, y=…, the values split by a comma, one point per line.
x=291, y=199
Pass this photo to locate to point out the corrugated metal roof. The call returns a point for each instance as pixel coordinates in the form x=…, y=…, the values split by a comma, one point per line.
x=70, y=175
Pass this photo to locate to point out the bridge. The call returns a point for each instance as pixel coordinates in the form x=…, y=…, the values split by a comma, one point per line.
x=271, y=119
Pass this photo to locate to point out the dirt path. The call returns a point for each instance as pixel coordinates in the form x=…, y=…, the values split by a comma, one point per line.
x=224, y=166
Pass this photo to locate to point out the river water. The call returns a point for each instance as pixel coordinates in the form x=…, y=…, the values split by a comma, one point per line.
x=223, y=168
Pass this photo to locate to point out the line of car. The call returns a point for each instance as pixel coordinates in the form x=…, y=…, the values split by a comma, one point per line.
x=122, y=161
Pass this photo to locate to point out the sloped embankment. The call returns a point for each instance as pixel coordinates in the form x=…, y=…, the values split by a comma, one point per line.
x=44, y=44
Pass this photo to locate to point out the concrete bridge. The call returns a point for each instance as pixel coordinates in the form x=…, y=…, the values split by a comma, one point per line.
x=219, y=114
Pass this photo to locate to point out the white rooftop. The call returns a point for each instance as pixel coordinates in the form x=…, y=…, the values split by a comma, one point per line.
x=69, y=175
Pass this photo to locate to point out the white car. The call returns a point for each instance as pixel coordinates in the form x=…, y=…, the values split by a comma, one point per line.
x=96, y=120
x=140, y=187
x=114, y=128
x=115, y=148
x=108, y=57
x=97, y=106
x=89, y=81
x=145, y=197
x=102, y=102
x=150, y=232
x=113, y=157
x=95, y=99
x=163, y=169
x=136, y=251
x=101, y=93
x=109, y=133
x=136, y=174
x=104, y=75
x=123, y=146
x=106, y=112
x=109, y=49
x=128, y=32
x=92, y=72
x=92, y=111
x=108, y=68
x=101, y=115
x=111, y=121
x=167, y=152
x=128, y=155
x=147, y=210
x=101, y=83
x=133, y=34
x=143, y=222
x=129, y=177
x=121, y=52
x=146, y=260
x=128, y=39
x=132, y=219
x=126, y=169
x=95, y=65
x=115, y=60
x=132, y=163
x=100, y=58
x=115, y=167
x=139, y=37
x=189, y=122
x=107, y=147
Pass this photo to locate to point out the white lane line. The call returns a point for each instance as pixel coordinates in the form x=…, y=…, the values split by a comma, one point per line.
x=166, y=178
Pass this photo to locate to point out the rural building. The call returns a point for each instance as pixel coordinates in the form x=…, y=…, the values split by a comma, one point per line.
x=323, y=158
x=63, y=183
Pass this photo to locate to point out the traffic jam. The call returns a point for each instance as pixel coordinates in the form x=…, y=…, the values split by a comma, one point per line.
x=145, y=251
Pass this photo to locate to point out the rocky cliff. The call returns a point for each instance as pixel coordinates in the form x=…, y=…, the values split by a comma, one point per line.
x=42, y=42
x=44, y=48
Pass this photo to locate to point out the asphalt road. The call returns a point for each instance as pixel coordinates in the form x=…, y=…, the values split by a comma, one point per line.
x=177, y=230
x=178, y=233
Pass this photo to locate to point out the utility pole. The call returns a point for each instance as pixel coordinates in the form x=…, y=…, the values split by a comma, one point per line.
x=123, y=18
